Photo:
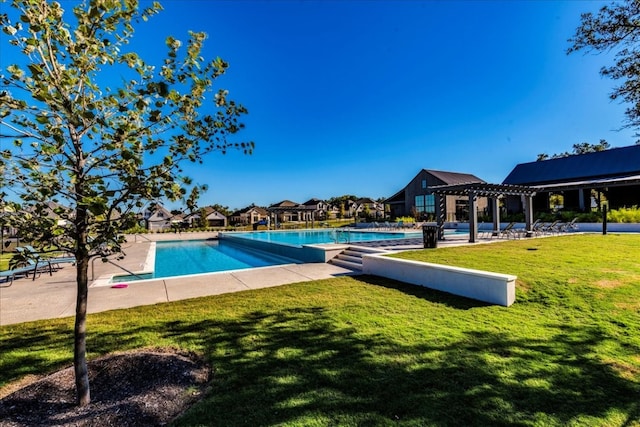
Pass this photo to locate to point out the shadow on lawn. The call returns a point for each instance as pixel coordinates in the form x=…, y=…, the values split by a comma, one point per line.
x=294, y=366
x=15, y=365
x=432, y=295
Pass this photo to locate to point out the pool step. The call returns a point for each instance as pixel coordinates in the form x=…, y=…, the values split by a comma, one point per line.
x=351, y=257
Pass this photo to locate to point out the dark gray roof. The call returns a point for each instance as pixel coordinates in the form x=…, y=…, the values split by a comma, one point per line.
x=451, y=178
x=312, y=202
x=615, y=162
x=285, y=204
x=448, y=178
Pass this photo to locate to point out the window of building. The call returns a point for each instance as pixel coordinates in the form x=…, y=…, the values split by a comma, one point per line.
x=462, y=210
x=426, y=204
x=419, y=204
x=424, y=184
x=430, y=203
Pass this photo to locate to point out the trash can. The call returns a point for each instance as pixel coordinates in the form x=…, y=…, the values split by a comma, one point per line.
x=430, y=236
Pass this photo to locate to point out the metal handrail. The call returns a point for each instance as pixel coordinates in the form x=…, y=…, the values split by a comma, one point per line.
x=112, y=263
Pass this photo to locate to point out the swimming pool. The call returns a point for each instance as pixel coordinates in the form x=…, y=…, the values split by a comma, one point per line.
x=310, y=237
x=181, y=258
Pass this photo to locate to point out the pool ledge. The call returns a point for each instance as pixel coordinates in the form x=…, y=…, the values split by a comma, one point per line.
x=319, y=252
x=486, y=286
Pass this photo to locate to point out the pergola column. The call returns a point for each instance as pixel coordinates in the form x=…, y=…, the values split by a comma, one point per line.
x=495, y=207
x=527, y=202
x=473, y=217
x=442, y=211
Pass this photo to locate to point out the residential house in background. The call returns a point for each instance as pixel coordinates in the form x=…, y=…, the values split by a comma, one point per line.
x=286, y=211
x=249, y=215
x=212, y=217
x=315, y=210
x=158, y=218
x=367, y=208
x=416, y=200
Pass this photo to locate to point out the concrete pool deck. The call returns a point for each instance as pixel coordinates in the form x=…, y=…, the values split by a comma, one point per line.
x=54, y=296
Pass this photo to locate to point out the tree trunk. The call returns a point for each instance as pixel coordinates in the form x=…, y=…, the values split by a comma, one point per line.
x=80, y=333
x=83, y=394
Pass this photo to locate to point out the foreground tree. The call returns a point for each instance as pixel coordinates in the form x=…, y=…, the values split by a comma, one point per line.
x=616, y=28
x=94, y=149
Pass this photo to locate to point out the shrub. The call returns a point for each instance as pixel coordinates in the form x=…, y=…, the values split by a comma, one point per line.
x=138, y=229
x=624, y=214
x=406, y=219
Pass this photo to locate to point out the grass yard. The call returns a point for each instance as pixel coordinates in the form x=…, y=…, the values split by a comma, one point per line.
x=4, y=261
x=368, y=351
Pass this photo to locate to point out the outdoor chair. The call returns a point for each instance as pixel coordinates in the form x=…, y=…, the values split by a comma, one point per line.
x=53, y=261
x=27, y=258
x=485, y=231
x=570, y=226
x=505, y=232
x=10, y=275
x=551, y=228
x=535, y=230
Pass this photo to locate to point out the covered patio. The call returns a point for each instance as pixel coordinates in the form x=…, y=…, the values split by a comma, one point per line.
x=494, y=192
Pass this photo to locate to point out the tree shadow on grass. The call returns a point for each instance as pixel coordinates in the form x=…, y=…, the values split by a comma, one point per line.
x=35, y=344
x=295, y=366
x=435, y=296
x=288, y=365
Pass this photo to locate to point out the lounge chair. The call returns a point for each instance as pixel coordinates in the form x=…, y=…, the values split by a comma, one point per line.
x=53, y=261
x=535, y=230
x=10, y=275
x=570, y=226
x=485, y=232
x=551, y=228
x=505, y=232
x=29, y=259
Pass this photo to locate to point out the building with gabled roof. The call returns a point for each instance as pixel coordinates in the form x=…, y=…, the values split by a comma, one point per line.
x=417, y=200
x=212, y=217
x=158, y=218
x=287, y=210
x=249, y=215
x=366, y=207
x=315, y=209
x=613, y=173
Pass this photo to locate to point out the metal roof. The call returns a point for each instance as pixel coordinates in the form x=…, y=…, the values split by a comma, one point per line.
x=615, y=162
x=451, y=178
x=593, y=183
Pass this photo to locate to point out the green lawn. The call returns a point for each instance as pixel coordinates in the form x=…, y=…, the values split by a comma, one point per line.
x=4, y=261
x=368, y=351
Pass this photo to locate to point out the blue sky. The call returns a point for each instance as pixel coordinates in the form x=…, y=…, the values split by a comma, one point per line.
x=356, y=97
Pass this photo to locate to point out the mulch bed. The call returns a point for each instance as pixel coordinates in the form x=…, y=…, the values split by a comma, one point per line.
x=142, y=388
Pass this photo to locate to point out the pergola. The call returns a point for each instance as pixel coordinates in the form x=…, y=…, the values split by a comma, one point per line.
x=481, y=189
x=287, y=209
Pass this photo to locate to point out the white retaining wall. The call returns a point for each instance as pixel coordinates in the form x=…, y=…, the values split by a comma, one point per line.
x=588, y=227
x=494, y=288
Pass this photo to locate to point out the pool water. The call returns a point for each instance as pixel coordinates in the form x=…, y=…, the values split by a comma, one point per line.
x=310, y=237
x=191, y=257
x=181, y=258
